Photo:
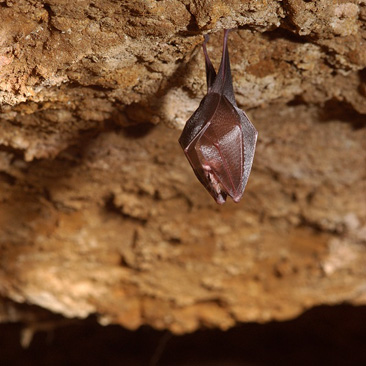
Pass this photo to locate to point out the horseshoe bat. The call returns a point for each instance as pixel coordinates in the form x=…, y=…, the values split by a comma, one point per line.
x=219, y=139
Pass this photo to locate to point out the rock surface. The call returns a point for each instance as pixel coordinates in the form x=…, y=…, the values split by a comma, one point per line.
x=100, y=212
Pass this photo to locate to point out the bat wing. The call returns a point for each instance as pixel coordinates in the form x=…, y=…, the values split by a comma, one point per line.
x=221, y=152
x=199, y=119
x=250, y=135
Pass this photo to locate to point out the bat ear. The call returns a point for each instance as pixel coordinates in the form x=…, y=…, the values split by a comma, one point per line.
x=223, y=83
x=210, y=71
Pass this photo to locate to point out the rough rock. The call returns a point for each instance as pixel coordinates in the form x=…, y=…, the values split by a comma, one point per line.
x=100, y=212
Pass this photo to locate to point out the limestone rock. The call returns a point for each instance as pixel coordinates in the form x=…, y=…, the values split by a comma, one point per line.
x=100, y=212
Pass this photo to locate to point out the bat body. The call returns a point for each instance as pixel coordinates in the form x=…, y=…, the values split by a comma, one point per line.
x=219, y=140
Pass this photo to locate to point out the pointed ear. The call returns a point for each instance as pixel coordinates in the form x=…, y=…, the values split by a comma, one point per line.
x=210, y=71
x=223, y=83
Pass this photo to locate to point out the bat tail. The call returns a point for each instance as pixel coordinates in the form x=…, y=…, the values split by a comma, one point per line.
x=210, y=70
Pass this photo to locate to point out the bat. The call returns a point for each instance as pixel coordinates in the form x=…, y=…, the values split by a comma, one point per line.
x=219, y=139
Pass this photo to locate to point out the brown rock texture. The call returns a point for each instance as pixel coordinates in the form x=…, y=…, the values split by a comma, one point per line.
x=100, y=212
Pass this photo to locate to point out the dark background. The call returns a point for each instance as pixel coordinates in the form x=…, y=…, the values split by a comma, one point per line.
x=321, y=336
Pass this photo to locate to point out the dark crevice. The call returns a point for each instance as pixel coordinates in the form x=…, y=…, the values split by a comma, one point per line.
x=334, y=110
x=9, y=179
x=138, y=131
x=51, y=14
x=362, y=87
x=17, y=153
x=284, y=33
x=297, y=101
x=192, y=27
x=342, y=111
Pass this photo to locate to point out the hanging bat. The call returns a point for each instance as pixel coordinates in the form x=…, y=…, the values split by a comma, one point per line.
x=219, y=140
